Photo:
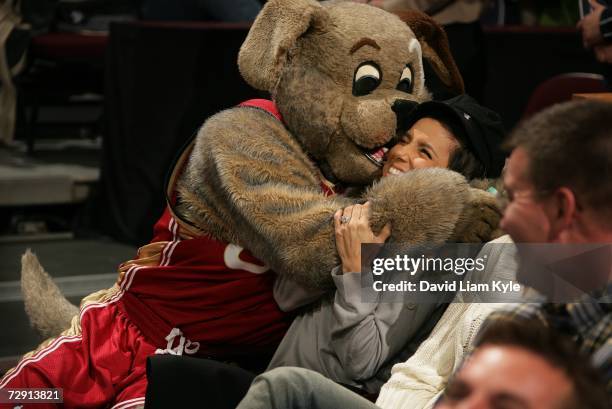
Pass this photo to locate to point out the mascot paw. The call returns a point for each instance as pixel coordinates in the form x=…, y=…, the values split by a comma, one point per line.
x=423, y=206
x=479, y=221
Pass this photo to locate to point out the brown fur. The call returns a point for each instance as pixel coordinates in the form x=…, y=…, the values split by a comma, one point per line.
x=435, y=47
x=479, y=220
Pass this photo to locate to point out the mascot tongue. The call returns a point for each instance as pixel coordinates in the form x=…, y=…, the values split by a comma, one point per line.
x=377, y=155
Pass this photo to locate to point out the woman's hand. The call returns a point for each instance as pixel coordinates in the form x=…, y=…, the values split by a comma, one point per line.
x=352, y=227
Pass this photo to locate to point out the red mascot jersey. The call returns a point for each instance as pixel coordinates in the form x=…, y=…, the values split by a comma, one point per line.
x=195, y=295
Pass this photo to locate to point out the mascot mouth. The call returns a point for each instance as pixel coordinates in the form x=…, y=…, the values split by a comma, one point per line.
x=376, y=155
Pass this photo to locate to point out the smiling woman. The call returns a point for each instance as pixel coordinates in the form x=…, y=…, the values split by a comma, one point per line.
x=428, y=143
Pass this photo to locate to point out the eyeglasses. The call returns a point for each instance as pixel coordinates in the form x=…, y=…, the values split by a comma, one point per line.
x=503, y=200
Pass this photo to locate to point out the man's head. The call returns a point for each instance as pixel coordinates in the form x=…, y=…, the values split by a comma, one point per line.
x=557, y=177
x=458, y=134
x=524, y=365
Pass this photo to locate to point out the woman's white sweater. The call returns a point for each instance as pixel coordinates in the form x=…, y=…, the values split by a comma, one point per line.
x=419, y=382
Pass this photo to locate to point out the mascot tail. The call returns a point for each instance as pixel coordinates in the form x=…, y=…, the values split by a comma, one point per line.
x=49, y=311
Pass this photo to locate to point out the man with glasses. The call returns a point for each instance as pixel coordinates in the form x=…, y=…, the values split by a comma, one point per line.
x=558, y=184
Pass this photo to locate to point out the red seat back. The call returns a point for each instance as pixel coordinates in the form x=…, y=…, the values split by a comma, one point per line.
x=69, y=46
x=560, y=88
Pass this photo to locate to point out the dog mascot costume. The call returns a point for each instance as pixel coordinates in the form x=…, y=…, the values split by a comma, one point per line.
x=254, y=196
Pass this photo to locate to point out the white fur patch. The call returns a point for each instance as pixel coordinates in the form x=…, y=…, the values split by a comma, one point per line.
x=415, y=46
x=231, y=256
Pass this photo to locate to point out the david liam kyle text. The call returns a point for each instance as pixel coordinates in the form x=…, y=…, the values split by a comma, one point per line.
x=497, y=286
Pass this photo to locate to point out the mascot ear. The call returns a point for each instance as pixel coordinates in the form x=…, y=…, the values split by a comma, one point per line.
x=434, y=44
x=274, y=32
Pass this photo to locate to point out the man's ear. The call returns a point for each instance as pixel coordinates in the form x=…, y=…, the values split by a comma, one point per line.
x=274, y=32
x=563, y=213
x=434, y=44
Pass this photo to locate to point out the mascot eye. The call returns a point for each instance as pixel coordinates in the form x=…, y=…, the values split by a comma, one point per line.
x=367, y=78
x=405, y=83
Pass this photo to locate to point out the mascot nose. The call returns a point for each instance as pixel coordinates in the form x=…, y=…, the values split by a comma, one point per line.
x=402, y=109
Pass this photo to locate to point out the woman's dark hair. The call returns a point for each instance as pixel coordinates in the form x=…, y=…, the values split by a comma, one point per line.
x=462, y=160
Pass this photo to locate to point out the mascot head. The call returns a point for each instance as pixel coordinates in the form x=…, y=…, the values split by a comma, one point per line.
x=341, y=73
